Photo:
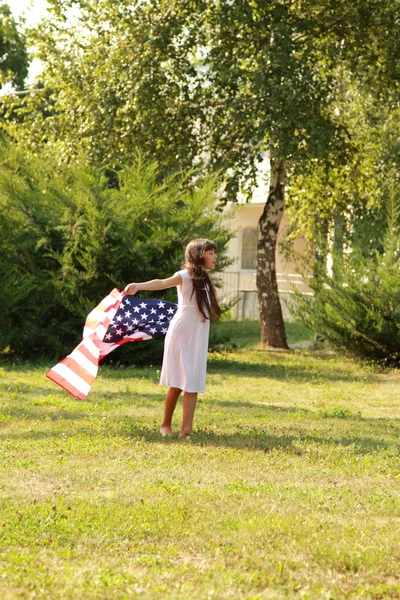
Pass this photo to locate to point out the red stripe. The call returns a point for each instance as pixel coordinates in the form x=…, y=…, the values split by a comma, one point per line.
x=120, y=343
x=105, y=305
x=92, y=323
x=78, y=370
x=65, y=385
x=113, y=300
x=86, y=352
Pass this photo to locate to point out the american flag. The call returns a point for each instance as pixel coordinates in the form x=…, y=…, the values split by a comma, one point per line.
x=118, y=319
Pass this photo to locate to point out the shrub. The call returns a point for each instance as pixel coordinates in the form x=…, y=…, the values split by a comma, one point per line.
x=358, y=309
x=67, y=238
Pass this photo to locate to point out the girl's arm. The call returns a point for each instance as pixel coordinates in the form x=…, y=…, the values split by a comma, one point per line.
x=154, y=284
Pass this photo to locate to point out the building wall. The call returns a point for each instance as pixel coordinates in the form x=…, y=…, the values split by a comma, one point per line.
x=239, y=283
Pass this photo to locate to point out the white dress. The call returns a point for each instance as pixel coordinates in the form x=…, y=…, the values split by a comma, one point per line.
x=186, y=343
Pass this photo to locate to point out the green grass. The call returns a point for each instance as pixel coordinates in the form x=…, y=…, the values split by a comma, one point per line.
x=289, y=489
x=246, y=333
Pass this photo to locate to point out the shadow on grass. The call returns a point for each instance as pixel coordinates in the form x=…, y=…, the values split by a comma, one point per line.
x=265, y=442
x=249, y=439
x=41, y=413
x=276, y=368
x=289, y=374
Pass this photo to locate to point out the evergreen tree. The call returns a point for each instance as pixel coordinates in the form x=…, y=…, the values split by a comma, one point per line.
x=357, y=307
x=67, y=238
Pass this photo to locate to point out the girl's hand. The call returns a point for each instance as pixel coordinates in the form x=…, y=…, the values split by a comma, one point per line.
x=131, y=289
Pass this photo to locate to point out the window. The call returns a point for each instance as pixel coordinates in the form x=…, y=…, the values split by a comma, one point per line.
x=249, y=248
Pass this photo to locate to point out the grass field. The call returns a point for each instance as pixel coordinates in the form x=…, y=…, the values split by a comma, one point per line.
x=289, y=489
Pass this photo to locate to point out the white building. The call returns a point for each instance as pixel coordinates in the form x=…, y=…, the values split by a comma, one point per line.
x=239, y=279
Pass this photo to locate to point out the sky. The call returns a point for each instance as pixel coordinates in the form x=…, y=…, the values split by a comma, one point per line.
x=32, y=11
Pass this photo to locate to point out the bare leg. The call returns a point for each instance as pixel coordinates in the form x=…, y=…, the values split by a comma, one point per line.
x=189, y=406
x=169, y=406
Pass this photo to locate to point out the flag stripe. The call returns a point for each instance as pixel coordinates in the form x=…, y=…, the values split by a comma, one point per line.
x=72, y=378
x=119, y=319
x=81, y=359
x=66, y=385
x=79, y=370
x=90, y=348
x=137, y=337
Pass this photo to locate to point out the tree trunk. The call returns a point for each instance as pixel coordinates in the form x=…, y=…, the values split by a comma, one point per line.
x=338, y=245
x=272, y=326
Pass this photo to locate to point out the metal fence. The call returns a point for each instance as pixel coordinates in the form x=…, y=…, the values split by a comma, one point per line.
x=239, y=289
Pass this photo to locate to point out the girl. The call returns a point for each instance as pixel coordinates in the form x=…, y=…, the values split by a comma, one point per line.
x=186, y=342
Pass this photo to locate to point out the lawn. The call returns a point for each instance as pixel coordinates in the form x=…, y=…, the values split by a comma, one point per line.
x=289, y=489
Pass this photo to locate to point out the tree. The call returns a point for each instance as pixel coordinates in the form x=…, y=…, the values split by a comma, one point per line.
x=13, y=52
x=214, y=84
x=67, y=238
x=356, y=308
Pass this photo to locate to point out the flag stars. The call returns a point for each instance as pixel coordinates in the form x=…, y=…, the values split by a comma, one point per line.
x=134, y=316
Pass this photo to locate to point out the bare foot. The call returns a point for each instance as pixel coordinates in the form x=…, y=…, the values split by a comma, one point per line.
x=165, y=431
x=185, y=434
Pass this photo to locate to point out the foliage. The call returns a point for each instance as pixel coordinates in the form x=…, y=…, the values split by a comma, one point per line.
x=70, y=238
x=13, y=52
x=215, y=83
x=356, y=307
x=330, y=194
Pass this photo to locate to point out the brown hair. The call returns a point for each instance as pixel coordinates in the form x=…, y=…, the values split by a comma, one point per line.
x=202, y=286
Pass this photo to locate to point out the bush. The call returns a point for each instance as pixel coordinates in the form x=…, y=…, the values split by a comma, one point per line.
x=67, y=238
x=358, y=309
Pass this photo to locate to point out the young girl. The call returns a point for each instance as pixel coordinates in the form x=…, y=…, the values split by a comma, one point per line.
x=186, y=342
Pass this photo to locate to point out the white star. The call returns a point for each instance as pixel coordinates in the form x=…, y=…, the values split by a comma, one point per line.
x=119, y=318
x=161, y=304
x=135, y=321
x=144, y=316
x=108, y=336
x=130, y=327
x=153, y=311
x=136, y=308
x=143, y=305
x=170, y=311
x=128, y=313
x=153, y=330
x=126, y=324
x=164, y=329
x=127, y=302
x=119, y=331
x=161, y=316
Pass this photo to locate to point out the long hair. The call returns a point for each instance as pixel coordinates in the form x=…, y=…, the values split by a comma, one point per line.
x=202, y=286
